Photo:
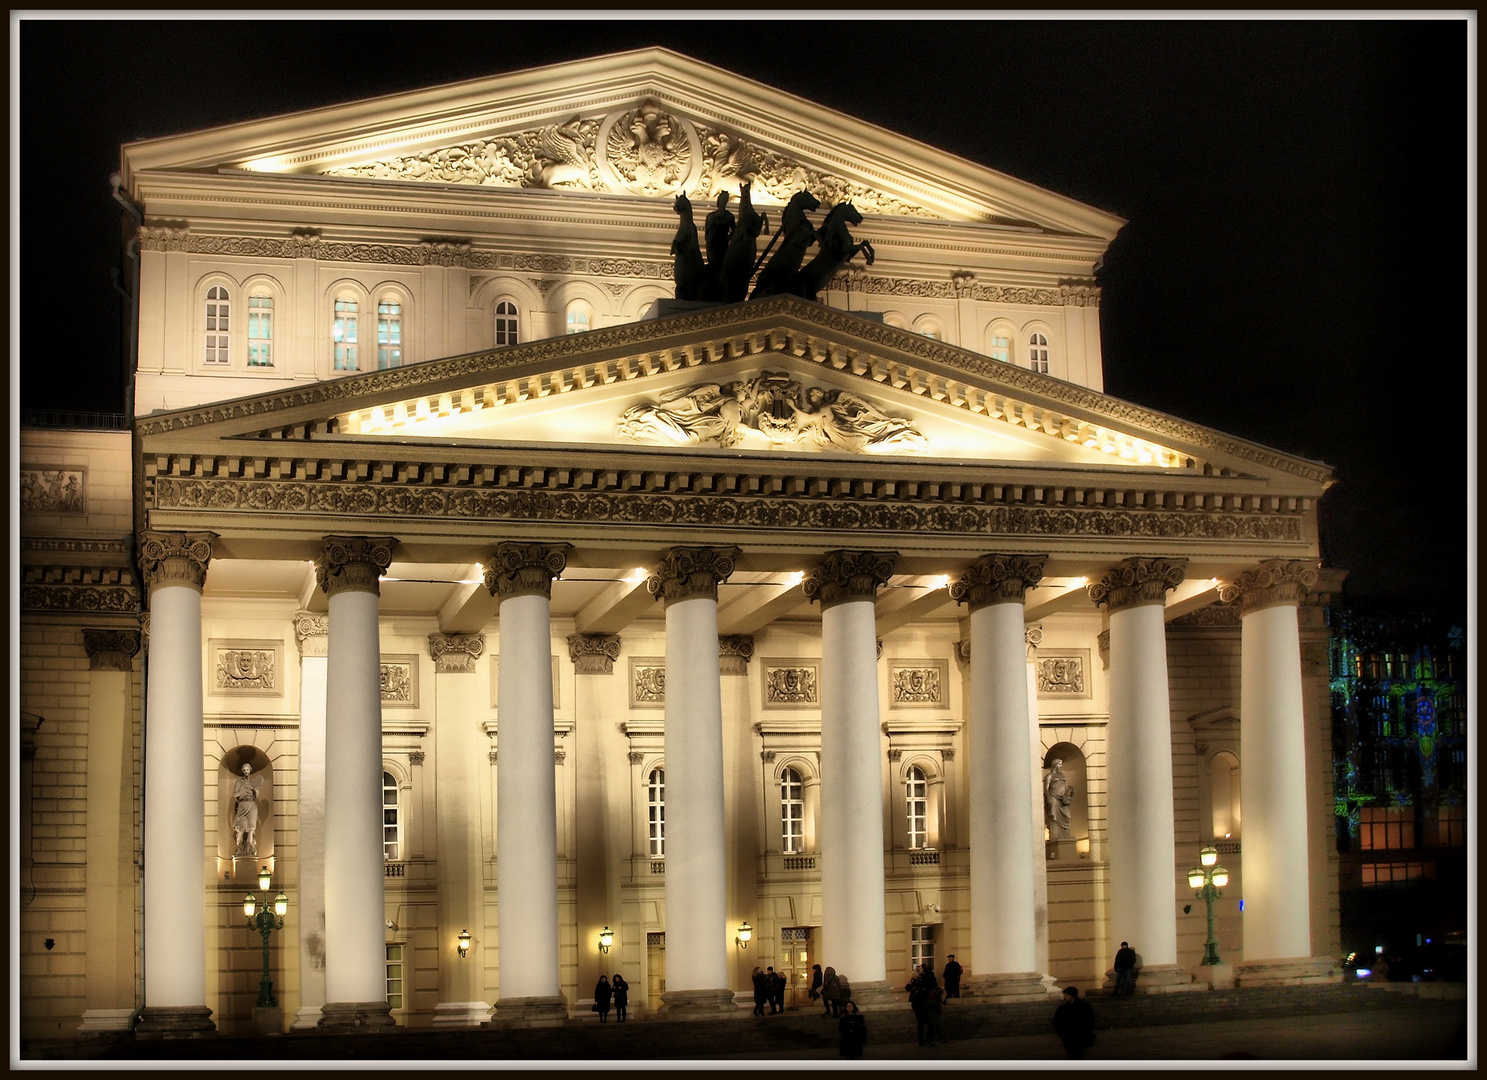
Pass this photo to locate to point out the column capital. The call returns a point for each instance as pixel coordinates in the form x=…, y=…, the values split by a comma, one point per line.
x=311, y=633
x=518, y=569
x=1137, y=581
x=1275, y=582
x=455, y=653
x=848, y=575
x=111, y=650
x=593, y=654
x=997, y=579
x=734, y=653
x=689, y=572
x=175, y=558
x=353, y=563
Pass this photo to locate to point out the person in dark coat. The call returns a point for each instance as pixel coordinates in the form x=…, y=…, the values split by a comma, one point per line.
x=933, y=1009
x=919, y=988
x=1074, y=1022
x=816, y=980
x=853, y=1027
x=602, y=993
x=1125, y=969
x=831, y=992
x=761, y=991
x=621, y=996
x=774, y=983
x=952, y=977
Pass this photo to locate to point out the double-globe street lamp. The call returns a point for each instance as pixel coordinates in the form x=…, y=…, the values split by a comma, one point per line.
x=262, y=919
x=1206, y=880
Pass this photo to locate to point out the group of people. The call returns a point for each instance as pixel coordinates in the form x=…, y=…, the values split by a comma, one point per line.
x=927, y=999
x=616, y=992
x=769, y=989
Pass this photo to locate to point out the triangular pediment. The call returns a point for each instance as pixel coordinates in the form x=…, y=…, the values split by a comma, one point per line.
x=649, y=123
x=768, y=377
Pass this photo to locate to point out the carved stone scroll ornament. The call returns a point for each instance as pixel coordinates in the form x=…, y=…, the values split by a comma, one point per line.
x=1137, y=581
x=848, y=575
x=689, y=572
x=593, y=654
x=353, y=563
x=111, y=650
x=311, y=632
x=525, y=569
x=997, y=579
x=455, y=653
x=172, y=558
x=734, y=653
x=1278, y=581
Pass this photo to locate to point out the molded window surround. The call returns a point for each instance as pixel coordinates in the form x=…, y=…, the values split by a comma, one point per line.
x=217, y=313
x=507, y=329
x=260, y=331
x=656, y=812
x=916, y=797
x=792, y=812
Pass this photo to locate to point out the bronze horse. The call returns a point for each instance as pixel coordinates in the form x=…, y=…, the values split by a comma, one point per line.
x=836, y=249
x=798, y=234
x=738, y=264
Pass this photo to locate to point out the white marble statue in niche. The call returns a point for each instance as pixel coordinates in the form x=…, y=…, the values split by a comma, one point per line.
x=1057, y=795
x=245, y=811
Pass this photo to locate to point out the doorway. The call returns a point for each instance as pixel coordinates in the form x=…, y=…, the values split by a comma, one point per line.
x=655, y=971
x=797, y=954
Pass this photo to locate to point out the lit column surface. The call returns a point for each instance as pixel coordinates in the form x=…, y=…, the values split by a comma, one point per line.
x=310, y=631
x=355, y=953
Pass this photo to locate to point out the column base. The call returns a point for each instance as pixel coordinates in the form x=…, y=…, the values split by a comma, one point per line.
x=353, y=1017
x=1159, y=979
x=174, y=1022
x=101, y=1020
x=1216, y=976
x=1290, y=971
x=307, y=1019
x=268, y=1020
x=875, y=996
x=699, y=1005
x=524, y=1012
x=1005, y=986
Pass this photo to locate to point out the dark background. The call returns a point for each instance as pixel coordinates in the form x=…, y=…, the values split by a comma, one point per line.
x=1293, y=270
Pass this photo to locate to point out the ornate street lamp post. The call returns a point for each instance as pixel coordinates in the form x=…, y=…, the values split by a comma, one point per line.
x=262, y=919
x=1206, y=880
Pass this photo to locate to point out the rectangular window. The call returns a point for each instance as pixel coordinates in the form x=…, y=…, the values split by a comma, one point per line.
x=1001, y=349
x=1451, y=822
x=389, y=817
x=395, y=976
x=260, y=331
x=343, y=334
x=389, y=335
x=917, y=799
x=792, y=812
x=1394, y=875
x=1382, y=828
x=922, y=946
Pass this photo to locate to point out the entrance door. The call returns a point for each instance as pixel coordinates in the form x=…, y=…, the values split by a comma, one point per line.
x=797, y=954
x=655, y=971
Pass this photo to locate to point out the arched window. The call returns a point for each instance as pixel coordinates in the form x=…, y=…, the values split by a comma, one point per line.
x=1001, y=347
x=390, y=825
x=217, y=315
x=389, y=335
x=260, y=331
x=656, y=802
x=917, y=804
x=506, y=328
x=1037, y=352
x=578, y=317
x=792, y=811
x=343, y=334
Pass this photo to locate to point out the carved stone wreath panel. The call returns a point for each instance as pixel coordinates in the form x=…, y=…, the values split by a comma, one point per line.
x=242, y=668
x=791, y=684
x=1063, y=673
x=918, y=684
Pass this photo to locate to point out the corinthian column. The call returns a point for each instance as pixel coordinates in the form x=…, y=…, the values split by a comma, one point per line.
x=852, y=915
x=355, y=955
x=1277, y=907
x=696, y=868
x=1004, y=934
x=1143, y=856
x=310, y=632
x=174, y=566
x=526, y=786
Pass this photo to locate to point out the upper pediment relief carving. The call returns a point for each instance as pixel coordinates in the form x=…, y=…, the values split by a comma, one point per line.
x=645, y=149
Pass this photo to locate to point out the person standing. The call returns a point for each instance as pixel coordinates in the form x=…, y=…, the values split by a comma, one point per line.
x=918, y=988
x=771, y=989
x=621, y=996
x=761, y=991
x=831, y=992
x=778, y=999
x=602, y=993
x=1074, y=1022
x=853, y=1028
x=934, y=1008
x=816, y=980
x=952, y=977
x=1125, y=969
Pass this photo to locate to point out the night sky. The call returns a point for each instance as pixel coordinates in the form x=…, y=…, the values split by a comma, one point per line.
x=1294, y=270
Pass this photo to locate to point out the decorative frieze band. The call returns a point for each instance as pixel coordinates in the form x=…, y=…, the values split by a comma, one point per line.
x=525, y=569
x=959, y=288
x=353, y=563
x=1137, y=581
x=1278, y=581
x=111, y=650
x=172, y=558
x=848, y=575
x=593, y=654
x=997, y=579
x=311, y=633
x=104, y=589
x=690, y=572
x=455, y=653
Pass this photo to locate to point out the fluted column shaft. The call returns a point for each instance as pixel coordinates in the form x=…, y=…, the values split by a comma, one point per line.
x=852, y=905
x=1002, y=830
x=526, y=785
x=174, y=566
x=1277, y=909
x=1140, y=814
x=696, y=866
x=355, y=955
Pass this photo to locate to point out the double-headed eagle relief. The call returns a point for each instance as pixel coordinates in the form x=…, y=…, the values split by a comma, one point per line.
x=773, y=409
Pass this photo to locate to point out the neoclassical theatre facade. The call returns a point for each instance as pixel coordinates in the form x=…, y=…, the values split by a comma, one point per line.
x=526, y=623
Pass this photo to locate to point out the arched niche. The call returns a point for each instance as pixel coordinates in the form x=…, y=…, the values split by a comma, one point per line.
x=1077, y=775
x=233, y=863
x=1223, y=795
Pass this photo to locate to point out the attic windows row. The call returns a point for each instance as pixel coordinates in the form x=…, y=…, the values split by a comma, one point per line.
x=242, y=329
x=1037, y=349
x=220, y=324
x=346, y=341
